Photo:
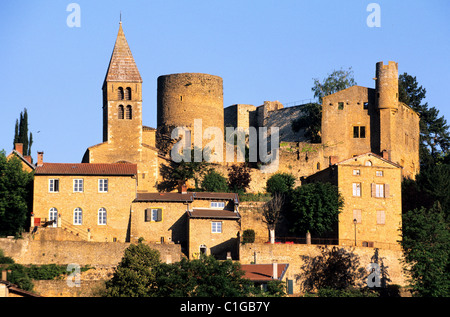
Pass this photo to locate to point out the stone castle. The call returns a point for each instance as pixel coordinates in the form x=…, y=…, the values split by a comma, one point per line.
x=369, y=142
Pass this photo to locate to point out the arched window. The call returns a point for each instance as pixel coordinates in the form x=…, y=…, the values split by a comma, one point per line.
x=53, y=216
x=129, y=115
x=120, y=93
x=78, y=216
x=102, y=216
x=128, y=93
x=120, y=112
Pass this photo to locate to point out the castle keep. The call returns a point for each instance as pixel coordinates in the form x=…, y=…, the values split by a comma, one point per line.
x=369, y=141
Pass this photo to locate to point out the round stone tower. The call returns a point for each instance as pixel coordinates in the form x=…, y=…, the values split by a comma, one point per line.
x=184, y=97
x=387, y=85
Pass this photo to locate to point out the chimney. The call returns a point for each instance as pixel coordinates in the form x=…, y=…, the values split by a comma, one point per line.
x=40, y=159
x=19, y=148
x=385, y=154
x=182, y=188
x=275, y=270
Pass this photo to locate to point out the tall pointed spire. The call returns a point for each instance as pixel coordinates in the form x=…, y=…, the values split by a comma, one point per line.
x=122, y=67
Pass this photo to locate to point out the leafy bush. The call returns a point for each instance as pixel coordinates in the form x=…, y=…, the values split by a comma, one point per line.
x=248, y=236
x=280, y=183
x=214, y=182
x=5, y=259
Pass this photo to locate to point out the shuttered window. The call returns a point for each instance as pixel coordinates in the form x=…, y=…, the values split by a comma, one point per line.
x=153, y=214
x=381, y=217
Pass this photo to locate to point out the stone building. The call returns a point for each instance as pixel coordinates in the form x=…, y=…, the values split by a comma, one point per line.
x=372, y=212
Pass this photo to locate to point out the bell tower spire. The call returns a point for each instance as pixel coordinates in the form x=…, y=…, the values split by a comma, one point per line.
x=122, y=98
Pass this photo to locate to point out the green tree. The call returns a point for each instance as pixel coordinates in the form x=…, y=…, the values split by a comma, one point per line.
x=280, y=183
x=21, y=133
x=314, y=208
x=204, y=277
x=214, y=182
x=311, y=117
x=135, y=275
x=425, y=242
x=334, y=268
x=15, y=196
x=434, y=131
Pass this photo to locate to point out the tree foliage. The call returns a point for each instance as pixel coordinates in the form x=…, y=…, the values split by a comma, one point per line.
x=425, y=242
x=135, y=275
x=280, y=183
x=434, y=131
x=15, y=195
x=21, y=133
x=238, y=177
x=314, y=207
x=214, y=182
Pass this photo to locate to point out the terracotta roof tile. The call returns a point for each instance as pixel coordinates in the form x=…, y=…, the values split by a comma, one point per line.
x=263, y=272
x=86, y=169
x=189, y=196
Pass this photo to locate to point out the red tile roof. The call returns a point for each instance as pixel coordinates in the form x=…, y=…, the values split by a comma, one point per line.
x=213, y=213
x=86, y=169
x=263, y=272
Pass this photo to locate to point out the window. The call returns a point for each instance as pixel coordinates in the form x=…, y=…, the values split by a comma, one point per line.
x=340, y=106
x=359, y=132
x=53, y=185
x=120, y=112
x=357, y=189
x=357, y=215
x=78, y=216
x=379, y=173
x=128, y=114
x=77, y=185
x=53, y=216
x=356, y=172
x=103, y=185
x=153, y=214
x=102, y=216
x=128, y=93
x=381, y=217
x=217, y=204
x=379, y=190
x=120, y=93
x=216, y=227
x=368, y=163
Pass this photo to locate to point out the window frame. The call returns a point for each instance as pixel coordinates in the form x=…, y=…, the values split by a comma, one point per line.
x=78, y=216
x=216, y=227
x=101, y=187
x=77, y=188
x=51, y=185
x=217, y=203
x=356, y=189
x=379, y=191
x=102, y=216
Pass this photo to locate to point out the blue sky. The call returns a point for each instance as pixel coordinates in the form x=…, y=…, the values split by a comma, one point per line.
x=263, y=50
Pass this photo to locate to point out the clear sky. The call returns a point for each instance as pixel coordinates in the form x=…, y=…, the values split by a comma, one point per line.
x=263, y=50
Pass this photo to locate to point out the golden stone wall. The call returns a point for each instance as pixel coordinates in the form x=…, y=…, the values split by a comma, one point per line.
x=117, y=202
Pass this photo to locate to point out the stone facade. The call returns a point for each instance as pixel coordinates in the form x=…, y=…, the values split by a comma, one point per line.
x=78, y=210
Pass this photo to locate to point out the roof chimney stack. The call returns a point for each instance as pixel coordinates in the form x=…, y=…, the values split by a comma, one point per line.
x=40, y=159
x=19, y=148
